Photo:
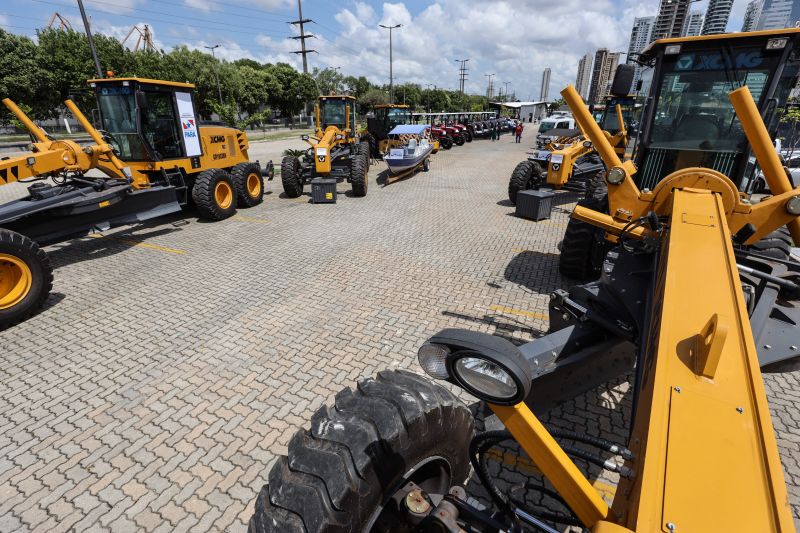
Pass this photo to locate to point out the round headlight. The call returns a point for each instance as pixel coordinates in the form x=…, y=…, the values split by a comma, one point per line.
x=793, y=205
x=486, y=379
x=433, y=360
x=616, y=176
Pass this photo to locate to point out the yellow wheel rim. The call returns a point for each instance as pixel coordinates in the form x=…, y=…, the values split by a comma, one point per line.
x=15, y=281
x=223, y=194
x=253, y=185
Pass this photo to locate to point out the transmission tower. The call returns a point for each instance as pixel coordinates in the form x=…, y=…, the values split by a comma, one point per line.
x=144, y=39
x=303, y=36
x=63, y=24
x=462, y=74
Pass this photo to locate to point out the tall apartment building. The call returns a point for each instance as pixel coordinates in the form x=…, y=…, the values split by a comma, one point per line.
x=545, y=92
x=751, y=15
x=584, y=77
x=605, y=65
x=671, y=17
x=641, y=34
x=717, y=16
x=693, y=25
x=779, y=14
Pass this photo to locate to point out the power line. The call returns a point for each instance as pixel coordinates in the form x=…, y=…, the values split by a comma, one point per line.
x=173, y=21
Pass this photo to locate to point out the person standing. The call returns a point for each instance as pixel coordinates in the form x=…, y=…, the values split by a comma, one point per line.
x=494, y=132
x=518, y=132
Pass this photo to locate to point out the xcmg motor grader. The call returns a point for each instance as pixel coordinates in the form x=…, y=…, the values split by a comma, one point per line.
x=155, y=158
x=334, y=152
x=682, y=300
x=570, y=161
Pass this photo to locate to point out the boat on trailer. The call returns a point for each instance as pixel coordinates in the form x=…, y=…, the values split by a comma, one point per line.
x=410, y=147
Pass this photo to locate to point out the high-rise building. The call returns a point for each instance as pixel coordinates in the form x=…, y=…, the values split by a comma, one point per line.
x=640, y=37
x=670, y=19
x=717, y=16
x=545, y=92
x=605, y=65
x=693, y=25
x=584, y=76
x=751, y=15
x=779, y=14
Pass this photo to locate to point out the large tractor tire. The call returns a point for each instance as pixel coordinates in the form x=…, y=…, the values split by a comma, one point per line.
x=459, y=140
x=249, y=184
x=777, y=244
x=291, y=176
x=26, y=278
x=214, y=194
x=365, y=150
x=340, y=473
x=584, y=245
x=373, y=145
x=359, y=174
x=446, y=142
x=527, y=175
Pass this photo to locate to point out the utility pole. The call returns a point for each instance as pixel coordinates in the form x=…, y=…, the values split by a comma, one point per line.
x=216, y=70
x=490, y=90
x=391, y=73
x=506, y=83
x=301, y=22
x=91, y=40
x=462, y=74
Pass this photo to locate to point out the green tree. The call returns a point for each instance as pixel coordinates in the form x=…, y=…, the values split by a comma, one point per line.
x=328, y=80
x=373, y=97
x=357, y=87
x=22, y=79
x=791, y=119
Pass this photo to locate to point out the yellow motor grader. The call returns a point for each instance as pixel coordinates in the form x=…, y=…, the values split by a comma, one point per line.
x=334, y=152
x=155, y=158
x=570, y=160
x=684, y=300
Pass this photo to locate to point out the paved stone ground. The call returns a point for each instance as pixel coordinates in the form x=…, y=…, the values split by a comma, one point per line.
x=174, y=361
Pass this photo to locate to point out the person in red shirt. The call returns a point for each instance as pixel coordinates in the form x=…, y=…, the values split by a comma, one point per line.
x=518, y=132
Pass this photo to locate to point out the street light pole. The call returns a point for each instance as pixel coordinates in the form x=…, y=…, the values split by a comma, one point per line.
x=216, y=70
x=391, y=73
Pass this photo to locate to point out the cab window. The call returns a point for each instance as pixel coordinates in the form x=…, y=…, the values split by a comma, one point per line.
x=160, y=125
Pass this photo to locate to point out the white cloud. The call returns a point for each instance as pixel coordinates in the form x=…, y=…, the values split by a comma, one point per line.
x=516, y=40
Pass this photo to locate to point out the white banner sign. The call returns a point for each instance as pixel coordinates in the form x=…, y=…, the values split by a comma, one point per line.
x=191, y=134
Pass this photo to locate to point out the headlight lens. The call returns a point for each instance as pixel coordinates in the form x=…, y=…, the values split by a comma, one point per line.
x=486, y=378
x=433, y=360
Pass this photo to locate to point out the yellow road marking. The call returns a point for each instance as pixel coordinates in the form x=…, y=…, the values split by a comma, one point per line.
x=527, y=466
x=250, y=219
x=140, y=244
x=519, y=312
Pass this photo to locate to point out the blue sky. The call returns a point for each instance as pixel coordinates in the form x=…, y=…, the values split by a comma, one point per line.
x=512, y=39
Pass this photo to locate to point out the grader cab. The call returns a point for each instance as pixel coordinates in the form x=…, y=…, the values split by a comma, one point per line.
x=152, y=156
x=684, y=304
x=387, y=116
x=334, y=152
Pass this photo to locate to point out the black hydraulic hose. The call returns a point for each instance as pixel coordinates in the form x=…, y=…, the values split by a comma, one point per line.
x=597, y=460
x=477, y=447
x=597, y=442
x=785, y=283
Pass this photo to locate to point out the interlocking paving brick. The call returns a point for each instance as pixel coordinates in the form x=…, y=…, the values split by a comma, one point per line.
x=156, y=389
